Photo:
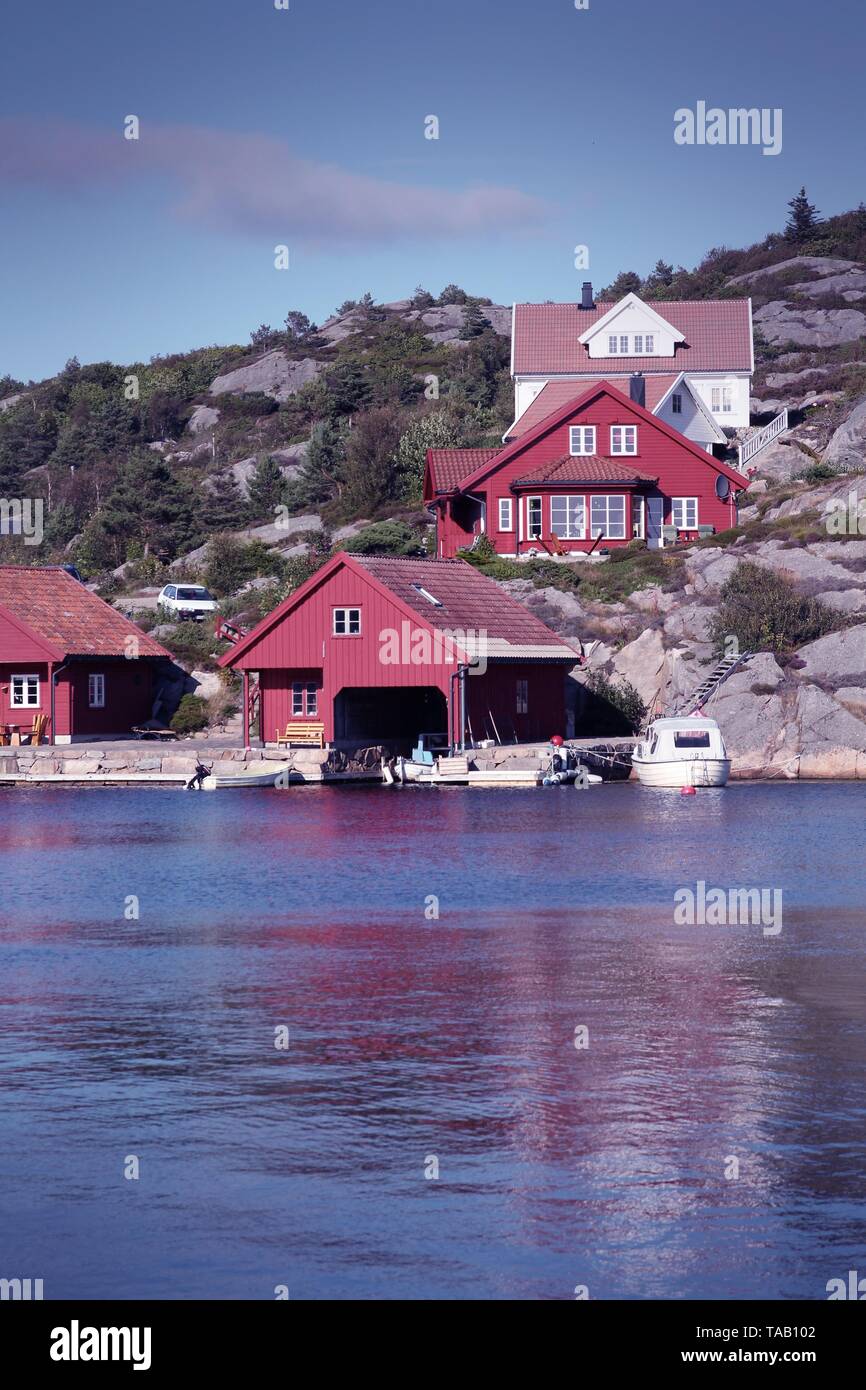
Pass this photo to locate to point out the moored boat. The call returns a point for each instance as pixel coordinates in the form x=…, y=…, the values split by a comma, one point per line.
x=682, y=752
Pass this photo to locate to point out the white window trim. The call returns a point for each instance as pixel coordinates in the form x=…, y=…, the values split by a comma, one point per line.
x=638, y=532
x=529, y=501
x=308, y=694
x=619, y=453
x=684, y=503
x=581, y=431
x=99, y=701
x=626, y=519
x=26, y=677
x=508, y=503
x=347, y=611
x=567, y=497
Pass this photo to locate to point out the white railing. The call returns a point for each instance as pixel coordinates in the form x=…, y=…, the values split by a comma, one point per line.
x=758, y=441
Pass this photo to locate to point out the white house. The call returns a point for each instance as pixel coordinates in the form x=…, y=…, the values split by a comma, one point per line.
x=689, y=361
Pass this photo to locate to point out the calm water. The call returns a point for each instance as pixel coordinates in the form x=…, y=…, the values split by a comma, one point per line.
x=412, y=1038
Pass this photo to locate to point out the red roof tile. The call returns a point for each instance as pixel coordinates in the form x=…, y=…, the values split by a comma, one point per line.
x=469, y=599
x=450, y=466
x=579, y=469
x=67, y=615
x=556, y=394
x=717, y=338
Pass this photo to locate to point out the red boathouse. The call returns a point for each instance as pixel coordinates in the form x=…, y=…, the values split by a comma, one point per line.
x=600, y=470
x=68, y=655
x=380, y=649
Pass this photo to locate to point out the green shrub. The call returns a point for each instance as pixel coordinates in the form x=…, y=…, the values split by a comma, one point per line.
x=765, y=612
x=191, y=715
x=621, y=694
x=386, y=538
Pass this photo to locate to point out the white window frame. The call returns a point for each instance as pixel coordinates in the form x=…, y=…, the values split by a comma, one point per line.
x=571, y=532
x=344, y=616
x=638, y=344
x=624, y=437
x=722, y=400
x=683, y=506
x=24, y=680
x=521, y=696
x=96, y=690
x=506, y=510
x=638, y=517
x=623, y=345
x=530, y=534
x=612, y=350
x=595, y=528
x=649, y=344
x=581, y=440
x=305, y=700
x=677, y=403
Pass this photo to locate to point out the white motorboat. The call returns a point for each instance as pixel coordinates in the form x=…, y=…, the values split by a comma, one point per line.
x=682, y=752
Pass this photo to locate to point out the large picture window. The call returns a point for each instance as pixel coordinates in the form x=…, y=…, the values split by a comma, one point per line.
x=607, y=517
x=568, y=517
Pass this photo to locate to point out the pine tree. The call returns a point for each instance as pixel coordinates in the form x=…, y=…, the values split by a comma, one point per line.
x=322, y=474
x=627, y=282
x=223, y=507
x=663, y=272
x=349, y=387
x=474, y=322
x=266, y=487
x=803, y=219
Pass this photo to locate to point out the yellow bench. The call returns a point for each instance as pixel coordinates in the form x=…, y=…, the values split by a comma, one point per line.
x=302, y=731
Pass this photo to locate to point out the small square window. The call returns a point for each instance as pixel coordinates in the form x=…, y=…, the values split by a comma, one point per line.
x=347, y=622
x=25, y=692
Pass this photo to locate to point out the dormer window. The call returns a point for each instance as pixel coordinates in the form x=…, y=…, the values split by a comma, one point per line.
x=623, y=439
x=611, y=344
x=582, y=440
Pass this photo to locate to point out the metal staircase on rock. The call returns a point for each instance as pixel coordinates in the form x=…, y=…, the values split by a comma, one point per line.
x=708, y=687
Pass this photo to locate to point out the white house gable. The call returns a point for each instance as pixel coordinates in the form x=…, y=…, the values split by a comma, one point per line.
x=631, y=329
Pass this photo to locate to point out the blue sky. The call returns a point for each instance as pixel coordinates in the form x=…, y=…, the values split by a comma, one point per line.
x=305, y=127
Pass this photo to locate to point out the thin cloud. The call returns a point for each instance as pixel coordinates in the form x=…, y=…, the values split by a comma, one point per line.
x=254, y=184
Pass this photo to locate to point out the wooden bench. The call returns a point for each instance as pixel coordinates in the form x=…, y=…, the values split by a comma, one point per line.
x=303, y=732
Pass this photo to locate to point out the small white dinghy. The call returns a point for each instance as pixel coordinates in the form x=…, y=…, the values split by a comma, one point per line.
x=207, y=781
x=682, y=752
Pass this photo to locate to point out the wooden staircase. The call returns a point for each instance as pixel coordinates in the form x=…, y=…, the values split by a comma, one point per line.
x=708, y=687
x=754, y=443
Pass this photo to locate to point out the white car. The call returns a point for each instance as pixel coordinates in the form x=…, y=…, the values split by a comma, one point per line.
x=183, y=601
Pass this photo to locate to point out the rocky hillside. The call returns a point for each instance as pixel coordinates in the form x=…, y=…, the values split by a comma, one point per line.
x=329, y=425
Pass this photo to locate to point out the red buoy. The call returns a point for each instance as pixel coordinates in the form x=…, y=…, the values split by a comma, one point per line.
x=557, y=740
x=687, y=791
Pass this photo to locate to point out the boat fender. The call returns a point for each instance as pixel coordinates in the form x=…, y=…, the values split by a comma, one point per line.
x=687, y=791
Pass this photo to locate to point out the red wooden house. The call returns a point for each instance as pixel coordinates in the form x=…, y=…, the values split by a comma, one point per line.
x=601, y=470
x=68, y=655
x=380, y=649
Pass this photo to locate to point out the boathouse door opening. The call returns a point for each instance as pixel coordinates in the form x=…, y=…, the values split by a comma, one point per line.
x=378, y=714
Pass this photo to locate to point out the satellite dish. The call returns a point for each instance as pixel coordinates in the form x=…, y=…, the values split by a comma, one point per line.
x=723, y=487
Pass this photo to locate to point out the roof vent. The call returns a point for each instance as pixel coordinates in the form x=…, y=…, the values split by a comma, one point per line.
x=586, y=299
